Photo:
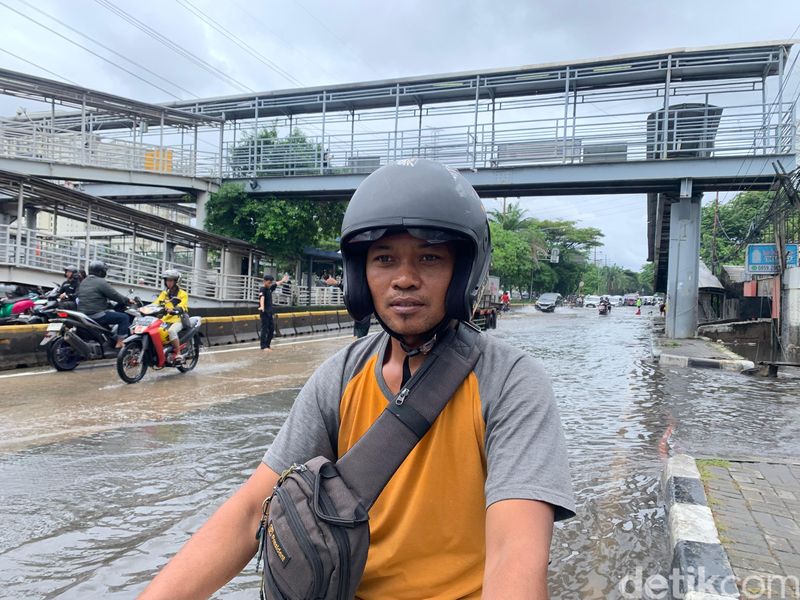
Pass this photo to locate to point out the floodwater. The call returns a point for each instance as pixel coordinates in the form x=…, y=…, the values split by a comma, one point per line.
x=92, y=503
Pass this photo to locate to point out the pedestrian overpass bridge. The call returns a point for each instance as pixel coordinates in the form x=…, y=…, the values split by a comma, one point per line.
x=671, y=124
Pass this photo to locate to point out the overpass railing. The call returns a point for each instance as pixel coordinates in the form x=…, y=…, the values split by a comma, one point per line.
x=697, y=131
x=29, y=250
x=34, y=141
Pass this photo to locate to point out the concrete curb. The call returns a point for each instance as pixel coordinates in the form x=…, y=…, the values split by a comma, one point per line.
x=699, y=560
x=734, y=362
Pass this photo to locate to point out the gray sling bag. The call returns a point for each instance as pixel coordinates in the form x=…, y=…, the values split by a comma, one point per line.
x=314, y=532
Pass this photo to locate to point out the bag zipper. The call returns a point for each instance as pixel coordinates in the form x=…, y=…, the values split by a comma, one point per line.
x=406, y=390
x=296, y=524
x=342, y=541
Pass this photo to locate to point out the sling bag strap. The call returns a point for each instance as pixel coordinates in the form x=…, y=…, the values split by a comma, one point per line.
x=369, y=465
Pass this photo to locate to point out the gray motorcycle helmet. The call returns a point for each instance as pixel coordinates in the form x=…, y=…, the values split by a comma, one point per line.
x=427, y=200
x=172, y=274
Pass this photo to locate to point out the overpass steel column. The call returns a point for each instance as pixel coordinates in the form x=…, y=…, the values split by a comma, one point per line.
x=683, y=268
x=322, y=145
x=20, y=211
x=665, y=128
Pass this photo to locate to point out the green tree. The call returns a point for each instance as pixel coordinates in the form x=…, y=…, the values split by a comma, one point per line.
x=282, y=228
x=511, y=257
x=265, y=154
x=646, y=278
x=512, y=219
x=736, y=220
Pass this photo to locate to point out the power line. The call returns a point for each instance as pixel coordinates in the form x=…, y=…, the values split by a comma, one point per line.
x=90, y=51
x=177, y=48
x=333, y=34
x=107, y=48
x=25, y=60
x=288, y=45
x=238, y=41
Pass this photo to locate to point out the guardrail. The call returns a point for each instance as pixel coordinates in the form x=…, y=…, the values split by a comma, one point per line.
x=27, y=248
x=696, y=131
x=39, y=141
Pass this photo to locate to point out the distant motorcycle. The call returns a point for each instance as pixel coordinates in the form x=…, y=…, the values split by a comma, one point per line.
x=72, y=337
x=147, y=345
x=604, y=309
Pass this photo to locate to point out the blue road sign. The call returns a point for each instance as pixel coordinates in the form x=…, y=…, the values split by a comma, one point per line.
x=762, y=259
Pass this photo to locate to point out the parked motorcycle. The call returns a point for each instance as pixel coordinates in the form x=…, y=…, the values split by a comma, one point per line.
x=72, y=337
x=147, y=345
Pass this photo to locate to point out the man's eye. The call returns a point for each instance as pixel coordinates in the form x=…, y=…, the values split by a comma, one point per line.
x=430, y=257
x=383, y=258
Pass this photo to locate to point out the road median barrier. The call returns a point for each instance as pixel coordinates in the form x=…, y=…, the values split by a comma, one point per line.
x=246, y=328
x=332, y=320
x=319, y=322
x=302, y=323
x=345, y=320
x=219, y=330
x=283, y=325
x=19, y=346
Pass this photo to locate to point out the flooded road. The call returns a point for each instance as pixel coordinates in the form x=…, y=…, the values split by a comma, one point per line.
x=100, y=483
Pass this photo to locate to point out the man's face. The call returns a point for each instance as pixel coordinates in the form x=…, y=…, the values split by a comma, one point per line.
x=170, y=283
x=68, y=274
x=408, y=279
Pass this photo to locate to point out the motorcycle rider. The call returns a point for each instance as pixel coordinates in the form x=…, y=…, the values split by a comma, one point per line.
x=176, y=301
x=68, y=291
x=94, y=293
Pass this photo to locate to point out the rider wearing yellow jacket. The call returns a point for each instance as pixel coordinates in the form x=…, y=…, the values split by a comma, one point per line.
x=176, y=301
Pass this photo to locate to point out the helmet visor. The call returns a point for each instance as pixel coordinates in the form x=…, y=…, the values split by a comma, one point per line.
x=432, y=236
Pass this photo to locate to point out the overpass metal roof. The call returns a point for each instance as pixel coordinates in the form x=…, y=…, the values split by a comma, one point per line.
x=741, y=61
x=109, y=214
x=13, y=83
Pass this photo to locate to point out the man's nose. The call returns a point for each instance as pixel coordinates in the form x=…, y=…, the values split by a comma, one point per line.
x=406, y=276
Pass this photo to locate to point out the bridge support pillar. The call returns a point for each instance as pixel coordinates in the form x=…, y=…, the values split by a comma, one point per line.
x=683, y=268
x=200, y=209
x=199, y=276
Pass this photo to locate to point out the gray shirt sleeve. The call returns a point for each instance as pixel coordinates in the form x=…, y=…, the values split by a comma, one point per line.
x=525, y=446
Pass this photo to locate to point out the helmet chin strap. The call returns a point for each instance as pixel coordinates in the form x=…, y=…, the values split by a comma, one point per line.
x=431, y=337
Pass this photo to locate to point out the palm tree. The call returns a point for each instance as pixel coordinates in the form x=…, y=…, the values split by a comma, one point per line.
x=512, y=219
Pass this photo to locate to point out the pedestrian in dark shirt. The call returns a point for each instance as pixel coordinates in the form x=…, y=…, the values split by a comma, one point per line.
x=266, y=310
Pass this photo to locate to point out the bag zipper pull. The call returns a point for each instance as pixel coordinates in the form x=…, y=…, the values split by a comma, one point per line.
x=401, y=397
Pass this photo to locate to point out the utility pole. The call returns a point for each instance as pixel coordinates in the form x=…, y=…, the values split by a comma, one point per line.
x=714, y=236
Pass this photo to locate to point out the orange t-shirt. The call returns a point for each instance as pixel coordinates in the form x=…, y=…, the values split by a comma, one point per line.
x=417, y=540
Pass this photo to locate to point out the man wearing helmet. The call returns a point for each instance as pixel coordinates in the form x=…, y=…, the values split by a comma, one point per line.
x=68, y=291
x=176, y=301
x=470, y=512
x=94, y=295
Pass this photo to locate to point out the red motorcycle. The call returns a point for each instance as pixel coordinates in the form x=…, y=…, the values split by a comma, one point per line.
x=148, y=346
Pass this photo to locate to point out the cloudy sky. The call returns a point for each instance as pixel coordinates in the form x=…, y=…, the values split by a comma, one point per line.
x=309, y=42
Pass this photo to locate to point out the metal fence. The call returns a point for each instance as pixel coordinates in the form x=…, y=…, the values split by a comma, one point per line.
x=683, y=131
x=26, y=249
x=34, y=141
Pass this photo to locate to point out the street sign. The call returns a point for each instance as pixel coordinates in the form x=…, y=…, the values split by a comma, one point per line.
x=762, y=259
